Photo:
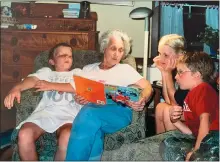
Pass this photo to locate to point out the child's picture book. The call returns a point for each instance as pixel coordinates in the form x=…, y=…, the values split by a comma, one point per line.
x=100, y=93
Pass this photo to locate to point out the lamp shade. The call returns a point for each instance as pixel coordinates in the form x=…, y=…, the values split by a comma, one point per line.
x=140, y=13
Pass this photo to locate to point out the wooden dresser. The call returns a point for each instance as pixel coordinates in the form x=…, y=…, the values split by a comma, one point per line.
x=20, y=47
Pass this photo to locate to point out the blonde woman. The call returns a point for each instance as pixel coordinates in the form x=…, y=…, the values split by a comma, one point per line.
x=170, y=48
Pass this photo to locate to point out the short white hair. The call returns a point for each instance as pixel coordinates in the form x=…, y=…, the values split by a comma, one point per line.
x=105, y=38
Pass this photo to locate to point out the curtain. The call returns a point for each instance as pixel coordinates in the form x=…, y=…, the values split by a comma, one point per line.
x=156, y=3
x=212, y=19
x=171, y=20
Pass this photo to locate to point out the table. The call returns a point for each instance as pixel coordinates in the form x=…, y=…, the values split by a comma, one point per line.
x=150, y=112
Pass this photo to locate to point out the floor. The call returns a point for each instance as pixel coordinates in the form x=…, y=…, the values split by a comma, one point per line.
x=5, y=154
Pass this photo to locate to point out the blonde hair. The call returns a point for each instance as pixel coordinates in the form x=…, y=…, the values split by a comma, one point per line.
x=106, y=36
x=174, y=41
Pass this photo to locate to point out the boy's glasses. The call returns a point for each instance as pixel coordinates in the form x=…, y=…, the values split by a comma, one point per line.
x=180, y=73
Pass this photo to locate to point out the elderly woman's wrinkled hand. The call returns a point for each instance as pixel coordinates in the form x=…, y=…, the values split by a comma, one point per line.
x=80, y=100
x=137, y=106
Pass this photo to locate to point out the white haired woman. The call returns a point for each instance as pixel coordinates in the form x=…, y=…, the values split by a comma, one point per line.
x=93, y=121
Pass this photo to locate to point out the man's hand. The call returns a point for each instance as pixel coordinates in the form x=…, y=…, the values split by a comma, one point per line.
x=9, y=99
x=175, y=113
x=43, y=85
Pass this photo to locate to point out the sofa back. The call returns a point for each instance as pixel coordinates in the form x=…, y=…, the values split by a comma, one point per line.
x=80, y=59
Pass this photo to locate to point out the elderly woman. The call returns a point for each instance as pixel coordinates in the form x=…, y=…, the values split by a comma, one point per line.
x=93, y=121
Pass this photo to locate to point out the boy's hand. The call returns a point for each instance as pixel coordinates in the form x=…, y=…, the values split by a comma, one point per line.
x=189, y=154
x=9, y=99
x=175, y=113
x=43, y=85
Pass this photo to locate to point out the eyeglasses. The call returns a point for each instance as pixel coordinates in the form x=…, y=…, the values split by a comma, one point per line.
x=180, y=73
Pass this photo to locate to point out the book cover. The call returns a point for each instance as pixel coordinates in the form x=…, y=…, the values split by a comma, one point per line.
x=100, y=93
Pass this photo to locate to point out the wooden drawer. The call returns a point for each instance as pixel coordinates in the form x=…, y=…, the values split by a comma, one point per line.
x=15, y=73
x=26, y=71
x=47, y=24
x=28, y=40
x=18, y=56
x=77, y=41
x=40, y=41
x=11, y=73
x=6, y=39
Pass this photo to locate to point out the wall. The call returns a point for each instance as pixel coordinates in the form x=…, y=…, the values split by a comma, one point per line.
x=117, y=17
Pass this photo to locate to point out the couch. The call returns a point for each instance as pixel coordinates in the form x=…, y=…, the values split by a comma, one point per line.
x=46, y=145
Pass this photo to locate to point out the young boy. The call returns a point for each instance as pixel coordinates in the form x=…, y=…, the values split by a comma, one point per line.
x=56, y=110
x=200, y=112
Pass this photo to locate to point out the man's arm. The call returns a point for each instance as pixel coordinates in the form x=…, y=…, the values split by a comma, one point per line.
x=43, y=85
x=15, y=92
x=27, y=83
x=182, y=127
x=203, y=129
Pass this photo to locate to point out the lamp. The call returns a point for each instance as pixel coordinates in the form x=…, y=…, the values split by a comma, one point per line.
x=143, y=13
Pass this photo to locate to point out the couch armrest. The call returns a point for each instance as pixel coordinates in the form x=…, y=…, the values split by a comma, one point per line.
x=29, y=101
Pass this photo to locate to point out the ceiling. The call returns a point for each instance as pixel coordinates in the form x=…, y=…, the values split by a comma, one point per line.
x=105, y=2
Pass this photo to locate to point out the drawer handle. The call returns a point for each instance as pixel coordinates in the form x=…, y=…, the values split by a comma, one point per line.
x=44, y=36
x=73, y=42
x=14, y=41
x=15, y=74
x=16, y=58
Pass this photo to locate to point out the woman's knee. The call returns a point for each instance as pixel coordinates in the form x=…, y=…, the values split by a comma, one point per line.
x=166, y=112
x=160, y=108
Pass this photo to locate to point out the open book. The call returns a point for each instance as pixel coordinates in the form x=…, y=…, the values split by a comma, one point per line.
x=100, y=93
